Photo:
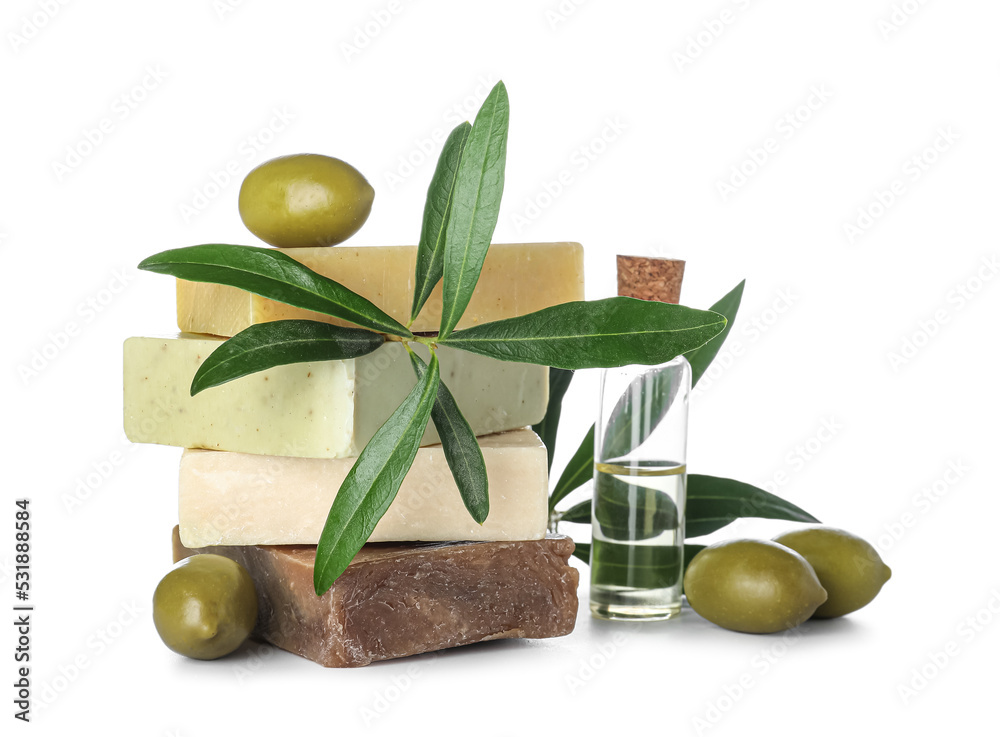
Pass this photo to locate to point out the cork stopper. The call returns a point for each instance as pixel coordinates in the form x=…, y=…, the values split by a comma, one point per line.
x=655, y=279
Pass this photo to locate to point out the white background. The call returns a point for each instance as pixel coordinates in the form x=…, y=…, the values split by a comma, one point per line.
x=823, y=315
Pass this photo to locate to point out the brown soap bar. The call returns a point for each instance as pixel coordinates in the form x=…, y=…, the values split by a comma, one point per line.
x=396, y=600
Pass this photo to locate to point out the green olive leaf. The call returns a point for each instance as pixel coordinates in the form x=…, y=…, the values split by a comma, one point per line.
x=278, y=343
x=599, y=334
x=437, y=209
x=461, y=449
x=582, y=551
x=644, y=567
x=626, y=512
x=373, y=481
x=690, y=551
x=659, y=389
x=714, y=502
x=274, y=275
x=635, y=566
x=475, y=206
x=656, y=389
x=559, y=381
x=578, y=514
x=701, y=358
x=578, y=471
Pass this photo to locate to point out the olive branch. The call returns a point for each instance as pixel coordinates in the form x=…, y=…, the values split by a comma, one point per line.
x=460, y=215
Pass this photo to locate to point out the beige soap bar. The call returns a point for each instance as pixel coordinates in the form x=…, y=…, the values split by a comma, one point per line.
x=517, y=278
x=400, y=600
x=244, y=499
x=325, y=409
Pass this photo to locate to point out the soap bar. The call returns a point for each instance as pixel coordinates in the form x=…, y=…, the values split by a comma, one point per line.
x=399, y=600
x=325, y=409
x=245, y=499
x=517, y=278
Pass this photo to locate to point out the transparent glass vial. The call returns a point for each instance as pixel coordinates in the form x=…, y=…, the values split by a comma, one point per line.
x=640, y=492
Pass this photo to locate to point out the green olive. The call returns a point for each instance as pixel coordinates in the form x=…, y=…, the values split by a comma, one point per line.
x=305, y=200
x=205, y=607
x=752, y=586
x=848, y=567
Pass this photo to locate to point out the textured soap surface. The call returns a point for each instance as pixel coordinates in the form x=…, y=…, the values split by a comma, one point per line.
x=399, y=600
x=517, y=278
x=325, y=409
x=246, y=499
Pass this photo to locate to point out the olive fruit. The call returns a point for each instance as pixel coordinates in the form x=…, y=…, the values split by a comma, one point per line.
x=752, y=586
x=848, y=567
x=205, y=607
x=305, y=200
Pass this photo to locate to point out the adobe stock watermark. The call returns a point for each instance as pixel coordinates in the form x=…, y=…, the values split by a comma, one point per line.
x=96, y=475
x=86, y=312
x=230, y=516
x=914, y=168
x=34, y=23
x=400, y=683
x=803, y=453
x=899, y=15
x=732, y=693
x=560, y=12
x=786, y=128
x=590, y=666
x=921, y=504
x=956, y=300
x=254, y=659
x=122, y=107
x=6, y=569
x=365, y=33
x=369, y=369
x=224, y=8
x=737, y=344
x=580, y=161
x=247, y=152
x=223, y=514
x=710, y=31
x=938, y=661
x=95, y=646
x=424, y=147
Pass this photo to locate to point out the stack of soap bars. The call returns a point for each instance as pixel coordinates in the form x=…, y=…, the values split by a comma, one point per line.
x=265, y=455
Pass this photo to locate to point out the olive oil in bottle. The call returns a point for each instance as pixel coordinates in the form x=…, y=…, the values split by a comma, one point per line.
x=638, y=539
x=640, y=490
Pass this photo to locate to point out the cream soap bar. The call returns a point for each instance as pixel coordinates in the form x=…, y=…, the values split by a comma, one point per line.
x=326, y=409
x=517, y=278
x=244, y=499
